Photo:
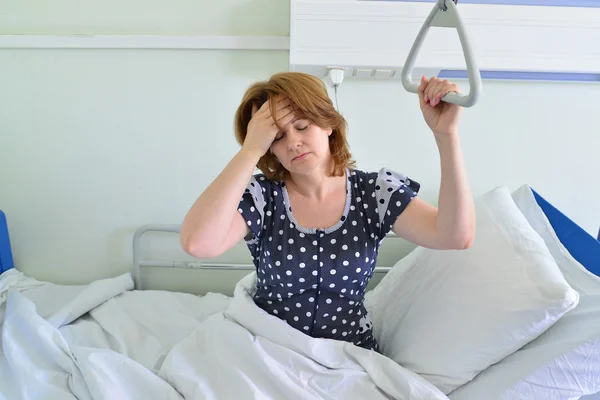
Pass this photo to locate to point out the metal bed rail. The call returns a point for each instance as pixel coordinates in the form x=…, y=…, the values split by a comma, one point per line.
x=138, y=262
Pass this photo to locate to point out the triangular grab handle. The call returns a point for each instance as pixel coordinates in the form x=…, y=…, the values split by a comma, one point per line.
x=445, y=14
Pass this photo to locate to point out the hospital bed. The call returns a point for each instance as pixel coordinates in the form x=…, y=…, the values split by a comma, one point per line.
x=115, y=339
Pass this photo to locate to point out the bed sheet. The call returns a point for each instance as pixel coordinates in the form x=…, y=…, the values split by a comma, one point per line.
x=106, y=341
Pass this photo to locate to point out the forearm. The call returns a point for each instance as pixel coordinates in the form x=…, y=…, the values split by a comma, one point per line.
x=209, y=219
x=455, y=222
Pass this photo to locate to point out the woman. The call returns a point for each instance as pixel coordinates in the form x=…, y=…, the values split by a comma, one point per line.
x=314, y=223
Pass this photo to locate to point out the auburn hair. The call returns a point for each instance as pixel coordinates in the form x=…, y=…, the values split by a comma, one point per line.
x=311, y=101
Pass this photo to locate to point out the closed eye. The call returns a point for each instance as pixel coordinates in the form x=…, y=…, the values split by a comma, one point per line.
x=281, y=134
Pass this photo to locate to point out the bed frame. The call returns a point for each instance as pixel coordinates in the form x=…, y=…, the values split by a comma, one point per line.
x=582, y=246
x=139, y=262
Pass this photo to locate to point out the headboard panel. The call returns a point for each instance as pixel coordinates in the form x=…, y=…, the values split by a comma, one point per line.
x=6, y=259
x=580, y=244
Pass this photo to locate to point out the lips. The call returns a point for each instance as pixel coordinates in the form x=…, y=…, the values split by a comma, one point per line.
x=300, y=157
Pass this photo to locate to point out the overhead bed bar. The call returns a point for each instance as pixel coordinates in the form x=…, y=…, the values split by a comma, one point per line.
x=444, y=14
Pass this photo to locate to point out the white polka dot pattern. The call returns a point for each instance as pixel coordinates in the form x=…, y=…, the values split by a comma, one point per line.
x=315, y=279
x=393, y=192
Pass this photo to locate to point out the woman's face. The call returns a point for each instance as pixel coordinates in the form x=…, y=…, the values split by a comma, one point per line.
x=302, y=146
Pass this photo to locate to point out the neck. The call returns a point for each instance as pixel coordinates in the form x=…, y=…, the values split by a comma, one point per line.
x=317, y=184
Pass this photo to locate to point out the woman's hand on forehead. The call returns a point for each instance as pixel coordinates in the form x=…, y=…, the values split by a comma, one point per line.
x=262, y=128
x=280, y=102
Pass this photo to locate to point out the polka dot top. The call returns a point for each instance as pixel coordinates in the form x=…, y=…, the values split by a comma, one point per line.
x=315, y=279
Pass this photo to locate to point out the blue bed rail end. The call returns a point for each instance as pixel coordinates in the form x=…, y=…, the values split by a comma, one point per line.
x=582, y=246
x=6, y=259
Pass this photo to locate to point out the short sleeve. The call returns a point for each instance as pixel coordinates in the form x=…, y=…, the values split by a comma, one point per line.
x=252, y=206
x=393, y=191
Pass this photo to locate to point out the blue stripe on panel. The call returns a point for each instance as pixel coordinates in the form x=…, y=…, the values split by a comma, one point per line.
x=546, y=3
x=519, y=75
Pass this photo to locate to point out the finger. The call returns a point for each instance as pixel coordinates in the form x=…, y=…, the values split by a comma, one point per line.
x=286, y=119
x=437, y=92
x=448, y=88
x=264, y=108
x=282, y=115
x=421, y=90
x=443, y=89
x=453, y=88
x=283, y=104
x=280, y=98
x=254, y=110
x=423, y=84
x=283, y=112
x=430, y=89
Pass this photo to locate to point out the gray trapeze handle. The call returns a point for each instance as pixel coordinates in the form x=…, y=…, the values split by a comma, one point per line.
x=445, y=14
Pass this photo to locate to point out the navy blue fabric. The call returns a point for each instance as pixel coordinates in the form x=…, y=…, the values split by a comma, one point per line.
x=315, y=279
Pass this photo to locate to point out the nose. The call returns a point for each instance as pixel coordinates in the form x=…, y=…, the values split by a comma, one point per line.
x=294, y=140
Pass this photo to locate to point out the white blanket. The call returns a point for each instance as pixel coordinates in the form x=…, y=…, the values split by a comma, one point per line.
x=105, y=341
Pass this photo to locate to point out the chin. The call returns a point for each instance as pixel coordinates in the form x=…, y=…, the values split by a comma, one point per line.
x=304, y=168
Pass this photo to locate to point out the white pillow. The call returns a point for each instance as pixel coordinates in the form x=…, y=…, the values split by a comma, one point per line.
x=449, y=314
x=563, y=362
